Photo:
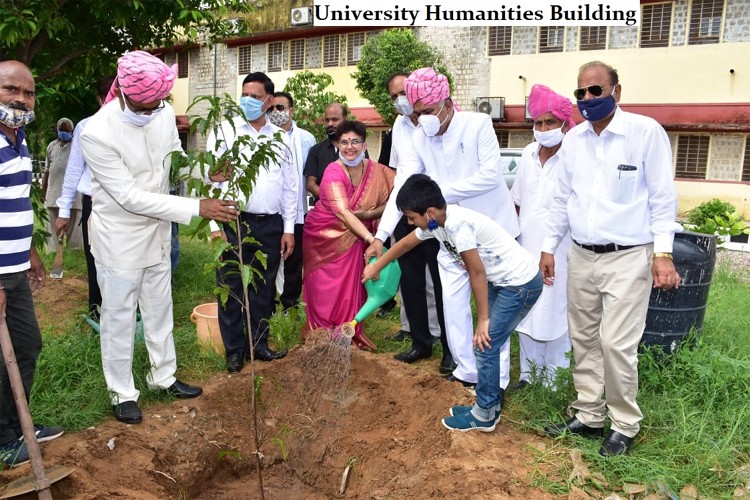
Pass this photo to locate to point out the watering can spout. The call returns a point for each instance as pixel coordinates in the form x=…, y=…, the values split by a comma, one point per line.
x=381, y=291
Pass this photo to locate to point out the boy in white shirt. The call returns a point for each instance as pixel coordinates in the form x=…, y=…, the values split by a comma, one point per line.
x=505, y=281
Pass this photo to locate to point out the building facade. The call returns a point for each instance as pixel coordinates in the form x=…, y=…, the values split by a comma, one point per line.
x=686, y=65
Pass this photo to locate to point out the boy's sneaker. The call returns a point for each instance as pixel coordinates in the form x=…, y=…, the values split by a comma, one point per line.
x=459, y=410
x=468, y=422
x=46, y=433
x=14, y=453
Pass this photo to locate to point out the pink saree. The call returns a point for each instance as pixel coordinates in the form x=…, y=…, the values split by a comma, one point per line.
x=333, y=257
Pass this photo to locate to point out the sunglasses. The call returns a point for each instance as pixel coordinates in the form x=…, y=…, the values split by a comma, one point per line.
x=594, y=90
x=278, y=107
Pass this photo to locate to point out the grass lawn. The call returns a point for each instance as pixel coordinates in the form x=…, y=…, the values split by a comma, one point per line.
x=696, y=405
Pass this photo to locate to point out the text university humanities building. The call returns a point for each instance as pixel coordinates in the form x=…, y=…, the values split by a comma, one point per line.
x=687, y=65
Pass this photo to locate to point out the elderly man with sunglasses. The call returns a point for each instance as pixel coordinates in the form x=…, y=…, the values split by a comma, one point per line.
x=127, y=145
x=616, y=195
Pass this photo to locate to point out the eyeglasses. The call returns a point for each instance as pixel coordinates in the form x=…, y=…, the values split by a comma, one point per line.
x=278, y=107
x=353, y=142
x=594, y=90
x=143, y=111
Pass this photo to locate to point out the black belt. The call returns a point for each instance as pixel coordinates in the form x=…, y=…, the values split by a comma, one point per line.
x=609, y=247
x=258, y=216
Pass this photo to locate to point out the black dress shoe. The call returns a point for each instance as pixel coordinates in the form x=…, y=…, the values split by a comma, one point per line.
x=616, y=444
x=128, y=412
x=453, y=378
x=574, y=426
x=412, y=355
x=266, y=354
x=447, y=365
x=520, y=385
x=235, y=362
x=184, y=391
x=400, y=336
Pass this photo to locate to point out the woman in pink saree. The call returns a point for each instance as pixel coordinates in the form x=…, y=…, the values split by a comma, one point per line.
x=338, y=229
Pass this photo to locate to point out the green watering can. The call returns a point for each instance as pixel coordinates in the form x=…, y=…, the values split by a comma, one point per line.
x=379, y=292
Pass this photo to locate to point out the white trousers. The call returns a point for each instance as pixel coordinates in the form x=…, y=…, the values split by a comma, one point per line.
x=123, y=290
x=459, y=324
x=543, y=357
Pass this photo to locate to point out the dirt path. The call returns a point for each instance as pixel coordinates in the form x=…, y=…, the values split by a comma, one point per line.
x=322, y=408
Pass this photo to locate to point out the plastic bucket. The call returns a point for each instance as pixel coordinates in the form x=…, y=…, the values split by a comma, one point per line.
x=206, y=319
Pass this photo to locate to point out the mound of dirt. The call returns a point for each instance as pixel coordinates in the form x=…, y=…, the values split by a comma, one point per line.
x=321, y=408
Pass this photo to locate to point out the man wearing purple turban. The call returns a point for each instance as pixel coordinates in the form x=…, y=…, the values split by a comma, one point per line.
x=459, y=150
x=543, y=333
x=127, y=144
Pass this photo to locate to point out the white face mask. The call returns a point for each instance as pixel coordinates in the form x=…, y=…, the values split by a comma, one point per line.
x=133, y=118
x=402, y=105
x=549, y=138
x=431, y=123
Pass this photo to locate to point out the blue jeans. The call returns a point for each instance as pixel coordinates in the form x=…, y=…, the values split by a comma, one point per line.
x=508, y=306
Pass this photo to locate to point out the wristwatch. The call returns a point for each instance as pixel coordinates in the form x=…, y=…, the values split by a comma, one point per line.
x=665, y=255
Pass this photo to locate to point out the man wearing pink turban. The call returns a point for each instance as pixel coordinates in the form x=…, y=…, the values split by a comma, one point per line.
x=543, y=333
x=459, y=151
x=127, y=144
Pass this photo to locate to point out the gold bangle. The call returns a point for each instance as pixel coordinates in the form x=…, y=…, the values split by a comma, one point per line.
x=665, y=255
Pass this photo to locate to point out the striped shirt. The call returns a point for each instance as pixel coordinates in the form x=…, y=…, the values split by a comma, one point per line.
x=16, y=215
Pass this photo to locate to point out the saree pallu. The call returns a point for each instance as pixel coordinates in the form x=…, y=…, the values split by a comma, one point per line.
x=333, y=257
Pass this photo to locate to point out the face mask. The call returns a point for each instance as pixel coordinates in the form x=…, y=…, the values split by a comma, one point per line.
x=279, y=118
x=15, y=118
x=431, y=123
x=402, y=105
x=64, y=136
x=597, y=109
x=252, y=107
x=354, y=162
x=549, y=138
x=129, y=116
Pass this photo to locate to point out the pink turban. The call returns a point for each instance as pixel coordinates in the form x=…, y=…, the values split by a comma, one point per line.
x=427, y=86
x=143, y=77
x=545, y=100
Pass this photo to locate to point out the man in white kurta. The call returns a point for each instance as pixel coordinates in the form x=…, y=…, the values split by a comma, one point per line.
x=459, y=150
x=543, y=333
x=127, y=145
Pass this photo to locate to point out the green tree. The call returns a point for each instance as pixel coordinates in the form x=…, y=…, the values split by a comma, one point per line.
x=310, y=100
x=393, y=51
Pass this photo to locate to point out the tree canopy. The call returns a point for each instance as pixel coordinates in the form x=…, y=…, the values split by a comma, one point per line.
x=392, y=51
x=310, y=100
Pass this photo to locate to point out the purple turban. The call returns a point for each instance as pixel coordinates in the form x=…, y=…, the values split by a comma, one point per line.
x=544, y=100
x=427, y=86
x=143, y=77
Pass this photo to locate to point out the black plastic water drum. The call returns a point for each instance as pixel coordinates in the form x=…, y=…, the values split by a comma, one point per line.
x=672, y=314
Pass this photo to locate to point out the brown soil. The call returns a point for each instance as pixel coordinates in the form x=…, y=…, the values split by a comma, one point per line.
x=322, y=408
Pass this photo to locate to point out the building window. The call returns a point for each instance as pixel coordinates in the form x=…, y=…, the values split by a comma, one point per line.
x=183, y=63
x=297, y=54
x=593, y=37
x=692, y=156
x=244, y=63
x=354, y=43
x=705, y=21
x=746, y=162
x=275, y=51
x=373, y=34
x=331, y=50
x=499, y=40
x=551, y=38
x=656, y=22
x=503, y=137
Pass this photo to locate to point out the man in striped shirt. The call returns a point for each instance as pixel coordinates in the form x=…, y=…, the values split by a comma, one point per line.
x=21, y=270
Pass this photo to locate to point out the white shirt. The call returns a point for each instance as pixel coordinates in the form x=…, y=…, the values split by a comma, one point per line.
x=132, y=211
x=300, y=141
x=465, y=162
x=77, y=174
x=532, y=190
x=276, y=187
x=505, y=262
x=401, y=139
x=600, y=202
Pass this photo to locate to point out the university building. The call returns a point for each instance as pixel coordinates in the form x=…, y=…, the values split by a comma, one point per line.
x=687, y=65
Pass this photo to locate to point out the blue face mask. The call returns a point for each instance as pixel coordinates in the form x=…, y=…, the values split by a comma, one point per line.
x=597, y=109
x=64, y=136
x=252, y=107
